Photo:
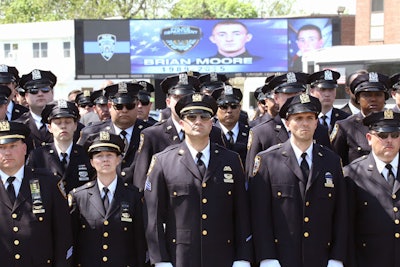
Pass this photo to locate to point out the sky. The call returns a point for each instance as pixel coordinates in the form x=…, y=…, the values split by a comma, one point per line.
x=326, y=6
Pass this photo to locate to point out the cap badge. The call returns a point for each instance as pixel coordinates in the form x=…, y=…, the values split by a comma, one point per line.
x=86, y=93
x=328, y=76
x=104, y=136
x=213, y=77
x=228, y=90
x=62, y=103
x=183, y=78
x=373, y=77
x=190, y=73
x=291, y=77
x=196, y=98
x=3, y=68
x=388, y=114
x=304, y=98
x=4, y=126
x=144, y=84
x=122, y=87
x=36, y=75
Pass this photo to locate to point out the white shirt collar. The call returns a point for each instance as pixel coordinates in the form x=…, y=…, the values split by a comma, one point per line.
x=177, y=126
x=353, y=108
x=235, y=130
x=38, y=120
x=68, y=151
x=129, y=132
x=298, y=153
x=111, y=187
x=10, y=107
x=19, y=175
x=380, y=165
x=206, y=153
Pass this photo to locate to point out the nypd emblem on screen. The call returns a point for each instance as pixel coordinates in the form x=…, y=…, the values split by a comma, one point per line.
x=107, y=43
x=181, y=38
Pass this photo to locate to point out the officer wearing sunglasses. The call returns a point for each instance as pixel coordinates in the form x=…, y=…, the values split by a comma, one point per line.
x=374, y=194
x=122, y=104
x=144, y=103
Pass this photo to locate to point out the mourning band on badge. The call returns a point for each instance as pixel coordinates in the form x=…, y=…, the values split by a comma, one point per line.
x=83, y=173
x=329, y=180
x=37, y=203
x=125, y=214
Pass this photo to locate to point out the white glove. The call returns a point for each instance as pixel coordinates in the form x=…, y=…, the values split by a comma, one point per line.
x=241, y=264
x=163, y=264
x=270, y=263
x=335, y=263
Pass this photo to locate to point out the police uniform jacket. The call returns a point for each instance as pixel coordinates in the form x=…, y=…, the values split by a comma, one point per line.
x=300, y=224
x=127, y=165
x=206, y=219
x=260, y=119
x=346, y=108
x=348, y=138
x=272, y=132
x=151, y=120
x=114, y=238
x=17, y=111
x=374, y=215
x=240, y=146
x=337, y=115
x=155, y=139
x=78, y=172
x=32, y=239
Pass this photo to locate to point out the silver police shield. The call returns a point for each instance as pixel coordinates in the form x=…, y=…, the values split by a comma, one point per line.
x=107, y=43
x=181, y=39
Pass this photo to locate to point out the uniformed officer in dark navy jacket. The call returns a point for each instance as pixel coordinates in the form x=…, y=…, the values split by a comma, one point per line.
x=66, y=159
x=195, y=197
x=144, y=103
x=106, y=213
x=298, y=196
x=374, y=195
x=348, y=135
x=35, y=225
x=395, y=90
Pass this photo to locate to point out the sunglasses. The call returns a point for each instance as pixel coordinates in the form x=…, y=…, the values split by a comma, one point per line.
x=86, y=105
x=194, y=117
x=386, y=135
x=35, y=91
x=262, y=102
x=129, y=106
x=144, y=102
x=225, y=106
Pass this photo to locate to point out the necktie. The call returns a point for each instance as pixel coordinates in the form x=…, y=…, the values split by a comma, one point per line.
x=324, y=117
x=123, y=134
x=106, y=202
x=43, y=129
x=64, y=161
x=231, y=140
x=10, y=189
x=305, y=169
x=200, y=164
x=390, y=176
x=182, y=135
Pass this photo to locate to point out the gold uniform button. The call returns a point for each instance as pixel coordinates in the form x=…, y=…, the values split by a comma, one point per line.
x=276, y=240
x=174, y=240
x=279, y=194
x=204, y=216
x=48, y=261
x=228, y=241
x=105, y=234
x=365, y=203
x=229, y=193
x=175, y=193
x=14, y=216
x=40, y=219
x=83, y=226
x=397, y=235
x=204, y=185
x=395, y=209
x=359, y=148
x=105, y=222
x=17, y=256
x=396, y=221
x=15, y=229
x=123, y=173
x=306, y=219
x=364, y=244
x=16, y=242
x=307, y=203
x=306, y=234
x=204, y=200
x=329, y=195
x=125, y=229
x=394, y=196
x=105, y=247
x=105, y=259
x=204, y=232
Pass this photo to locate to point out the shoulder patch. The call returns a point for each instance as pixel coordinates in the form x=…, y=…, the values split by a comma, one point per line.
x=256, y=166
x=250, y=140
x=141, y=143
x=153, y=161
x=334, y=132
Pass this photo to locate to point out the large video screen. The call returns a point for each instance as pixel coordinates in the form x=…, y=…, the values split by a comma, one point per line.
x=154, y=48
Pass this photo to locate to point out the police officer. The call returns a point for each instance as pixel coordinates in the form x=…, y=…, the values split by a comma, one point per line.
x=167, y=132
x=9, y=76
x=196, y=192
x=267, y=108
x=348, y=135
x=122, y=104
x=144, y=103
x=100, y=106
x=35, y=226
x=5, y=93
x=352, y=107
x=373, y=191
x=323, y=86
x=66, y=159
x=395, y=87
x=234, y=132
x=298, y=196
x=274, y=131
x=83, y=102
x=107, y=213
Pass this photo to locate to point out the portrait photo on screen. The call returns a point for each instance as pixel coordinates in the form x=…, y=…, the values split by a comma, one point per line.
x=305, y=35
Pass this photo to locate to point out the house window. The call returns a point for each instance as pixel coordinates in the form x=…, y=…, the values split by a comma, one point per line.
x=39, y=50
x=67, y=49
x=377, y=32
x=10, y=50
